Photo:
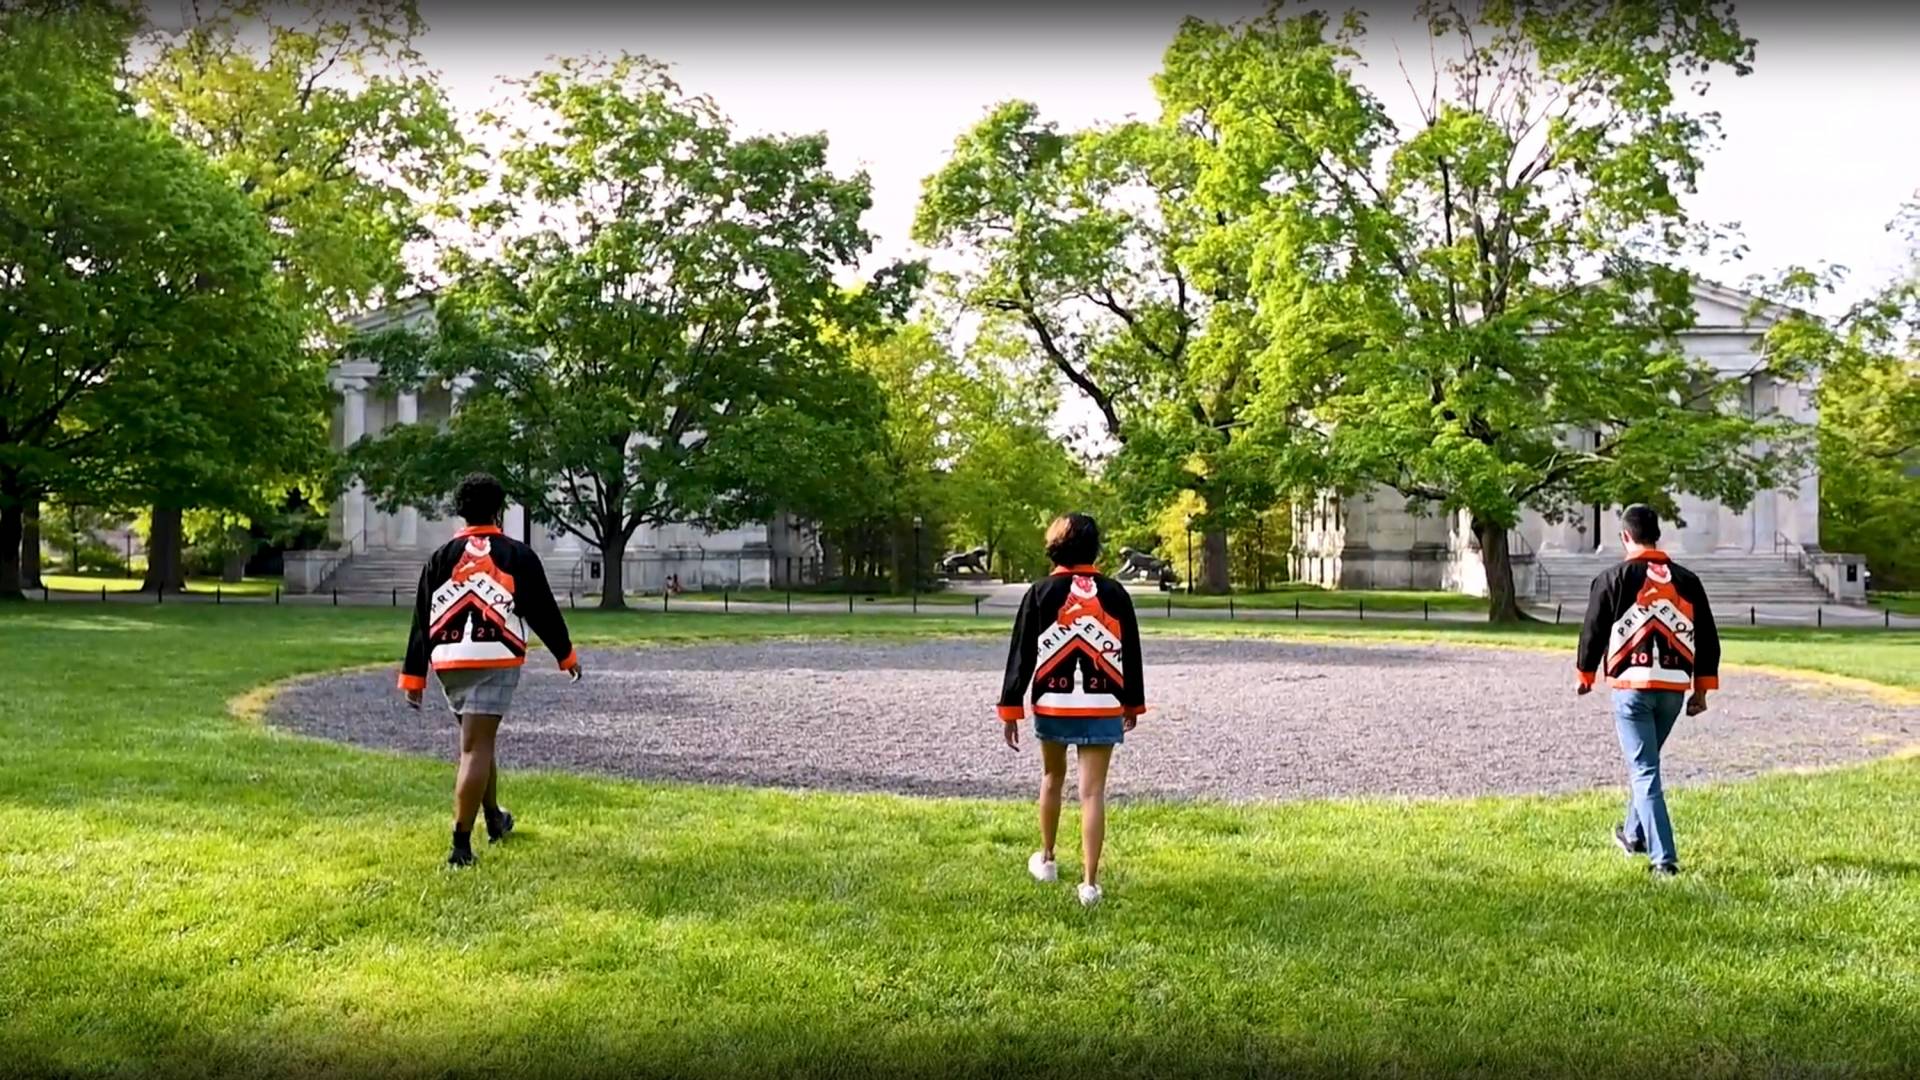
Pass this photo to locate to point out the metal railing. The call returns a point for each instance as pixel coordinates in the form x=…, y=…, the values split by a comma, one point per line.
x=1801, y=559
x=1542, y=580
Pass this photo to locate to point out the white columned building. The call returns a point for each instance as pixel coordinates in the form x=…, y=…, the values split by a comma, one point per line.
x=1770, y=548
x=376, y=551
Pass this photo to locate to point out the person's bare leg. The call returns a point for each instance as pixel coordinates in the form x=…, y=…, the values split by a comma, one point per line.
x=1093, y=807
x=1053, y=782
x=477, y=733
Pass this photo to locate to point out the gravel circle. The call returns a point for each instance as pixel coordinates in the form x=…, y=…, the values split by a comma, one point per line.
x=1231, y=720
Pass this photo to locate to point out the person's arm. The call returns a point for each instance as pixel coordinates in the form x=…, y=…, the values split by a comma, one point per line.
x=1133, y=691
x=1706, y=652
x=1023, y=652
x=413, y=670
x=533, y=599
x=1594, y=631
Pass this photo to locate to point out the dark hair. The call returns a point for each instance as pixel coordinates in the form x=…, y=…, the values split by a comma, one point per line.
x=479, y=499
x=1073, y=540
x=1641, y=523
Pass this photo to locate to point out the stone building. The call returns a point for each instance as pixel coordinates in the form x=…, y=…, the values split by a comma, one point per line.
x=376, y=551
x=1767, y=552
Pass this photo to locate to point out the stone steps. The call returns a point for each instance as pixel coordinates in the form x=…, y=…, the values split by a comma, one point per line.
x=1730, y=580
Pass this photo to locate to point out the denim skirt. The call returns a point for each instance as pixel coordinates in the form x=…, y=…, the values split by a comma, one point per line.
x=484, y=691
x=1080, y=730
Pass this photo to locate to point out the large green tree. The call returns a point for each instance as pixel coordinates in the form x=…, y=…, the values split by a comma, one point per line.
x=142, y=338
x=1095, y=245
x=325, y=117
x=652, y=307
x=1483, y=302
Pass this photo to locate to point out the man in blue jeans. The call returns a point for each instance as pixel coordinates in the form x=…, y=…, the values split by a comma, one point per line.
x=1650, y=628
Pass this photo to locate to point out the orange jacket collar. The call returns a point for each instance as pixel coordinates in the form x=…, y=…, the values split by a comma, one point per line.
x=1084, y=568
x=478, y=530
x=1649, y=555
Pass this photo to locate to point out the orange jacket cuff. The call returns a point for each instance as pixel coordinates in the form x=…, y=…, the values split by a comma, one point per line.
x=412, y=682
x=1586, y=678
x=1707, y=682
x=572, y=661
x=1012, y=713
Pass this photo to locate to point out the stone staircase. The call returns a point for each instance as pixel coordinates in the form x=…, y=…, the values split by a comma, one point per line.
x=378, y=572
x=1731, y=580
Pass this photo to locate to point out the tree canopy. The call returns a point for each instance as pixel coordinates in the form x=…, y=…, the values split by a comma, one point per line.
x=652, y=306
x=144, y=345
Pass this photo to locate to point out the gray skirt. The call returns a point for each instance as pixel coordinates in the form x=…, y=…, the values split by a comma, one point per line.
x=485, y=691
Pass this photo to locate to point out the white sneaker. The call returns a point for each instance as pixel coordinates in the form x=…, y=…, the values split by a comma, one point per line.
x=1043, y=869
x=1089, y=894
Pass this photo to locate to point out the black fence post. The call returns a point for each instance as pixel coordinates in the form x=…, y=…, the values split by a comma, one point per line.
x=336, y=596
x=1820, y=617
x=1363, y=609
x=276, y=596
x=916, y=601
x=1229, y=607
x=1886, y=618
x=1169, y=605
x=1426, y=612
x=849, y=598
x=976, y=604
x=393, y=596
x=216, y=596
x=570, y=600
x=726, y=602
x=789, y=591
x=1753, y=616
x=666, y=594
x=103, y=594
x=1296, y=609
x=160, y=594
x=1557, y=609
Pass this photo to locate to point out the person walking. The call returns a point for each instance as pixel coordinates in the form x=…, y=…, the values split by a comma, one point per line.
x=478, y=595
x=1650, y=629
x=1076, y=651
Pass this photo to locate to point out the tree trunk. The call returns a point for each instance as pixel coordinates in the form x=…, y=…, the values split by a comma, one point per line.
x=12, y=521
x=613, y=568
x=163, y=553
x=235, y=567
x=1503, y=604
x=1216, y=564
x=30, y=552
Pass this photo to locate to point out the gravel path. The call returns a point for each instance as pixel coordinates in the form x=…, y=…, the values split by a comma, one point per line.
x=1230, y=720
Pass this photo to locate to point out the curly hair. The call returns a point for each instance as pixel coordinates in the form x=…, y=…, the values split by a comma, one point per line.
x=479, y=499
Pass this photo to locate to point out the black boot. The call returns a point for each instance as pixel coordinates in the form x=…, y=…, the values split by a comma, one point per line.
x=499, y=824
x=462, y=854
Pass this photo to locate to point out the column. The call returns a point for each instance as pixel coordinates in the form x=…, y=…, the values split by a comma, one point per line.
x=515, y=523
x=407, y=411
x=353, y=427
x=1608, y=542
x=1735, y=532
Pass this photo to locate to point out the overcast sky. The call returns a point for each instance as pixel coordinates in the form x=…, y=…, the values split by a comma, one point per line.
x=1822, y=141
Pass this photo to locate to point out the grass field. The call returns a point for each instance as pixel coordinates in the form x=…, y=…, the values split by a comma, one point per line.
x=1900, y=603
x=183, y=892
x=93, y=584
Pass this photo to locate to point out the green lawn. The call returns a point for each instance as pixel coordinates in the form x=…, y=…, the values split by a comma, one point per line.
x=93, y=584
x=185, y=893
x=860, y=599
x=1900, y=603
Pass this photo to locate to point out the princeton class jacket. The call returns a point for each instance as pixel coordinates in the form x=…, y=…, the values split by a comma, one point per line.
x=1649, y=627
x=479, y=593
x=1075, y=649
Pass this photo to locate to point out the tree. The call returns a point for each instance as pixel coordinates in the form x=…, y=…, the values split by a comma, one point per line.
x=1010, y=476
x=328, y=121
x=1095, y=244
x=651, y=299
x=142, y=340
x=1484, y=305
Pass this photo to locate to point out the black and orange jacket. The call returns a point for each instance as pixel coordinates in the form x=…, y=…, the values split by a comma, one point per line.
x=1649, y=627
x=478, y=595
x=1076, y=648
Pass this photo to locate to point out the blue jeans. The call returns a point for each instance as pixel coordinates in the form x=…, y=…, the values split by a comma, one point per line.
x=1644, y=719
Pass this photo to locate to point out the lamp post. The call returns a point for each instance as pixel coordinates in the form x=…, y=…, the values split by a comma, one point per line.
x=918, y=522
x=1189, y=554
